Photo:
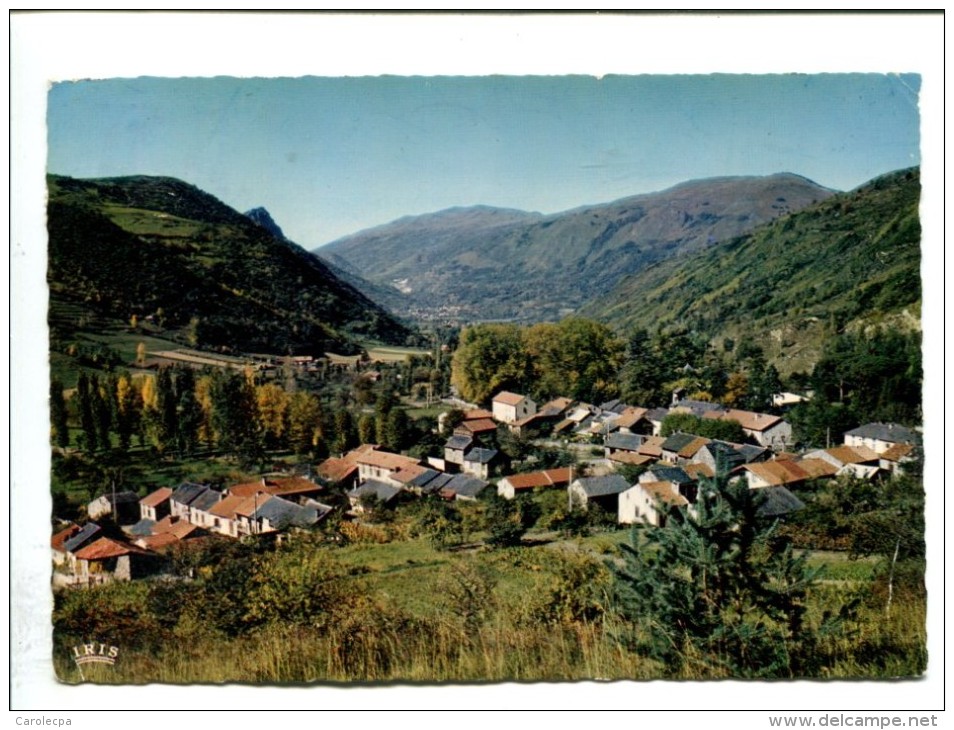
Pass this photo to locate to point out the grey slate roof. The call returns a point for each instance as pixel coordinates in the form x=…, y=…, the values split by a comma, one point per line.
x=384, y=492
x=438, y=482
x=678, y=441
x=778, y=501
x=465, y=485
x=187, y=491
x=424, y=479
x=726, y=456
x=697, y=407
x=751, y=452
x=890, y=432
x=673, y=474
x=89, y=531
x=142, y=528
x=602, y=486
x=206, y=500
x=282, y=514
x=656, y=414
x=121, y=497
x=458, y=443
x=481, y=456
x=625, y=441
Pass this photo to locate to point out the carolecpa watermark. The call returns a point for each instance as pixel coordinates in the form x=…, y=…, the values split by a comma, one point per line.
x=94, y=653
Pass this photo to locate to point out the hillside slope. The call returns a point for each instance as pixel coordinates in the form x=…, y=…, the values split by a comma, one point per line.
x=848, y=262
x=163, y=250
x=488, y=263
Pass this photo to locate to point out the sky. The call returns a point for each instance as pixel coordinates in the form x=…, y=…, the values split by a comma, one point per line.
x=329, y=156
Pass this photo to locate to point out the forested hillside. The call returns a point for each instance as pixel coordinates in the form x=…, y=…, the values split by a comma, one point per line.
x=490, y=263
x=158, y=250
x=847, y=263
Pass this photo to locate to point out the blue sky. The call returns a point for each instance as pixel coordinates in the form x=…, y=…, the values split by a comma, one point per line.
x=331, y=156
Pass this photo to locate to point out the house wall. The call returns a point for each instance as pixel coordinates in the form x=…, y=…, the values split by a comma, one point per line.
x=481, y=471
x=504, y=412
x=635, y=505
x=876, y=445
x=505, y=489
x=777, y=437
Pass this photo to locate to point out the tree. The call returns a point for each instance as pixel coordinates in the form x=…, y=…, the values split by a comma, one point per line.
x=59, y=427
x=128, y=409
x=304, y=422
x=490, y=358
x=718, y=593
x=272, y=402
x=366, y=428
x=84, y=407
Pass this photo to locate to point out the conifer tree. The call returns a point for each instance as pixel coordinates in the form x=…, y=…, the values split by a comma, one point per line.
x=716, y=593
x=84, y=407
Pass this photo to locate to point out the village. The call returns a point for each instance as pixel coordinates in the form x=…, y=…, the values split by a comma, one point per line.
x=623, y=462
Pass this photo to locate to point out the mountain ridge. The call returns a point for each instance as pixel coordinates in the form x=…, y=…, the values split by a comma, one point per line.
x=530, y=266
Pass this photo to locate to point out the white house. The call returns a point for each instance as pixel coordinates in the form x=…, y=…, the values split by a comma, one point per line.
x=879, y=437
x=510, y=407
x=767, y=430
x=649, y=502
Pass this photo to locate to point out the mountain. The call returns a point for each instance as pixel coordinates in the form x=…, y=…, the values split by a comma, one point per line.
x=849, y=262
x=163, y=251
x=492, y=263
x=265, y=220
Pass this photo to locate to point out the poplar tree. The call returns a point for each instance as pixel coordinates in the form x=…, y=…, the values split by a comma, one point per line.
x=84, y=407
x=59, y=426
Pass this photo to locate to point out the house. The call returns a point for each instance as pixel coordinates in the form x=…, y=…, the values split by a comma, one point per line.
x=860, y=461
x=476, y=428
x=343, y=470
x=603, y=491
x=650, y=502
x=279, y=515
x=681, y=447
x=58, y=543
x=698, y=408
x=686, y=483
x=633, y=420
x=233, y=511
x=894, y=459
x=879, y=437
x=199, y=508
x=456, y=447
x=169, y=531
x=774, y=474
x=381, y=491
x=480, y=462
x=618, y=446
x=156, y=505
x=463, y=487
x=510, y=486
x=124, y=506
x=651, y=446
x=510, y=407
x=654, y=417
x=381, y=465
x=544, y=419
x=67, y=545
x=106, y=560
x=719, y=456
x=417, y=479
x=183, y=496
x=294, y=488
x=777, y=502
x=765, y=429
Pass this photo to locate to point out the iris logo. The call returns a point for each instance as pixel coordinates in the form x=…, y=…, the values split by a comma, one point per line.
x=95, y=653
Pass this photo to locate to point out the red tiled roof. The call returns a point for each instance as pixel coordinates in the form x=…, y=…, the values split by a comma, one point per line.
x=698, y=470
x=62, y=536
x=105, y=548
x=546, y=478
x=749, y=420
x=275, y=485
x=897, y=452
x=628, y=457
x=652, y=446
x=816, y=468
x=156, y=498
x=508, y=398
x=477, y=413
x=480, y=425
x=853, y=454
x=409, y=472
x=778, y=473
x=630, y=417
x=386, y=460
